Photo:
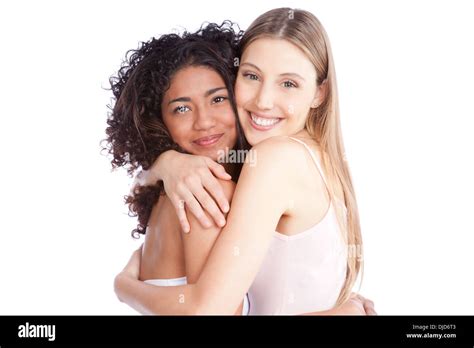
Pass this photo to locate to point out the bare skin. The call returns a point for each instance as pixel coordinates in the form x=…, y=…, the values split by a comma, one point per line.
x=167, y=253
x=217, y=290
x=194, y=107
x=212, y=292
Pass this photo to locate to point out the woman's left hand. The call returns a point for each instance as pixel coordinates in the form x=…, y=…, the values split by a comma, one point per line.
x=363, y=303
x=132, y=269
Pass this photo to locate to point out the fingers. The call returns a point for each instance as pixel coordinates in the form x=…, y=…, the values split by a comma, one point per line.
x=356, y=297
x=212, y=185
x=214, y=188
x=194, y=208
x=218, y=170
x=369, y=307
x=183, y=219
x=201, y=192
x=357, y=305
x=210, y=206
x=204, y=187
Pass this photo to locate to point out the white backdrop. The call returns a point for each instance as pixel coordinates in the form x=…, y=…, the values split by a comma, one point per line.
x=405, y=72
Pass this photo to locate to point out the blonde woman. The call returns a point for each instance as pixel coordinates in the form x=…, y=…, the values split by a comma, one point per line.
x=294, y=212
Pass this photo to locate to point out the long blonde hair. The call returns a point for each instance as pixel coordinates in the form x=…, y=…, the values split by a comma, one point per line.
x=305, y=31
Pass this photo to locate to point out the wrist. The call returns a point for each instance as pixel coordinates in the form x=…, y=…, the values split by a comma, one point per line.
x=160, y=163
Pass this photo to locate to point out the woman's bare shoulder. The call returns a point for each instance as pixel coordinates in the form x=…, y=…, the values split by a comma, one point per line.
x=280, y=153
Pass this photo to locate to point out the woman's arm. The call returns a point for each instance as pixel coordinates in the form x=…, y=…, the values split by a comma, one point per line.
x=190, y=179
x=261, y=198
x=356, y=305
x=239, y=250
x=198, y=243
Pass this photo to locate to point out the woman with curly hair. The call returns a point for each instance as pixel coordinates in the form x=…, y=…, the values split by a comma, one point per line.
x=148, y=118
x=223, y=272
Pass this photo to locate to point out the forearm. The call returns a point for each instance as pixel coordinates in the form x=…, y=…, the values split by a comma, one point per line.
x=150, y=299
x=155, y=173
x=198, y=245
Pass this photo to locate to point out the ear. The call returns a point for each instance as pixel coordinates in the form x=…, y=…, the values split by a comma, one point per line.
x=320, y=95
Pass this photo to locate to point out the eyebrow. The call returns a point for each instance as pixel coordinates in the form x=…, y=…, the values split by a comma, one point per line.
x=187, y=99
x=213, y=90
x=284, y=74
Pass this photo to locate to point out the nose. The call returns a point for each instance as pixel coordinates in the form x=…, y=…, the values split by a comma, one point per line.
x=264, y=100
x=204, y=119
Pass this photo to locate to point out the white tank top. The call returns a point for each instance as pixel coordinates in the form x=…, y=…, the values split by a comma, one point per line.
x=302, y=273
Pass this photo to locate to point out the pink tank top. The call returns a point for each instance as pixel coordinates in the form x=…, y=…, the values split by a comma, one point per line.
x=304, y=272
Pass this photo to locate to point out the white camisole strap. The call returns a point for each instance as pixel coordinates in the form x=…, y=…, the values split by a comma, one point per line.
x=313, y=156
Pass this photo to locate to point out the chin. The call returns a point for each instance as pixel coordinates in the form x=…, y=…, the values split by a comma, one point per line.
x=255, y=137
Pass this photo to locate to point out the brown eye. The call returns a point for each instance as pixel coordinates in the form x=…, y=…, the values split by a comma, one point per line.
x=180, y=109
x=218, y=100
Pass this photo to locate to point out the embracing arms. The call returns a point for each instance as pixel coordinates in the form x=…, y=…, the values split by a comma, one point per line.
x=238, y=251
x=186, y=300
x=194, y=180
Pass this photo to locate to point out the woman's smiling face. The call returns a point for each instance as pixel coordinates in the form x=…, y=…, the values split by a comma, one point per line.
x=275, y=89
x=197, y=112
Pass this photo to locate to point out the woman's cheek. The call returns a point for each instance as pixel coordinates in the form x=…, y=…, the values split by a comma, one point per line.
x=292, y=107
x=241, y=92
x=243, y=100
x=180, y=131
x=232, y=126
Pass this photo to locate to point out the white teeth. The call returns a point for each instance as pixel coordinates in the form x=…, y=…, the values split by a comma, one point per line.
x=264, y=122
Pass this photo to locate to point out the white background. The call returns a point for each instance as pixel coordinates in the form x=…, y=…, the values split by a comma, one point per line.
x=405, y=72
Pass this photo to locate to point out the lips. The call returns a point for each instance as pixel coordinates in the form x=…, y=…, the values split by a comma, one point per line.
x=209, y=140
x=263, y=123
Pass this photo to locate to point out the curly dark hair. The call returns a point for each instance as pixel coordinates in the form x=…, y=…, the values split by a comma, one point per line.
x=136, y=133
